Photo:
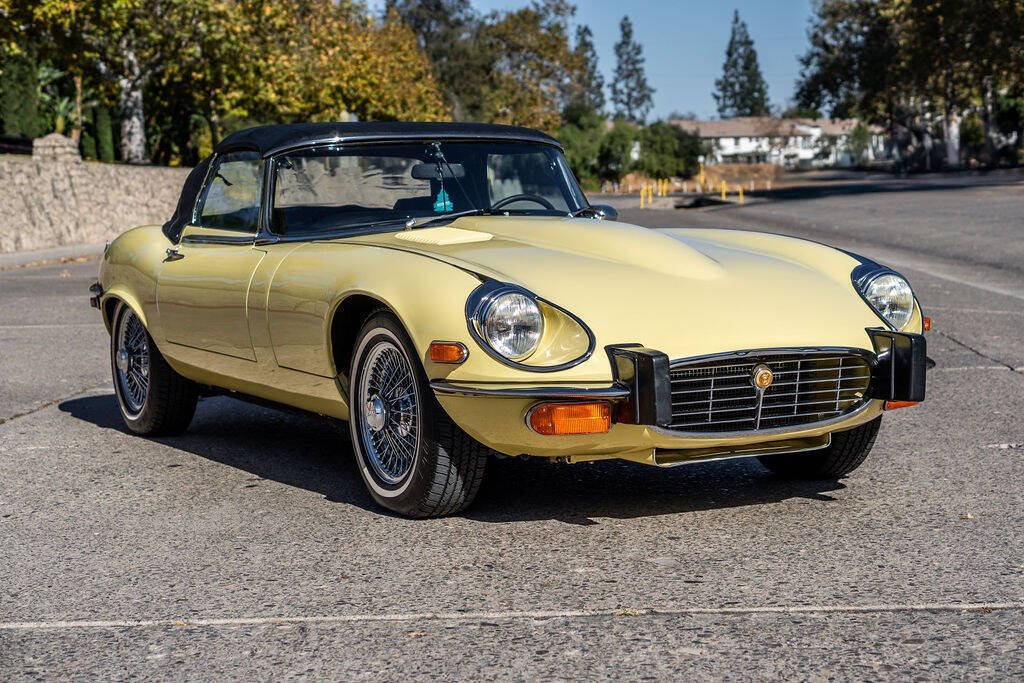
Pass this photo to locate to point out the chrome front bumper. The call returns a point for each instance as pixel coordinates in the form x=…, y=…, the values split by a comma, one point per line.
x=640, y=394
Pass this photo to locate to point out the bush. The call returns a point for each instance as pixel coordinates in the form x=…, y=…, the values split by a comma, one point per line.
x=88, y=140
x=104, y=135
x=667, y=151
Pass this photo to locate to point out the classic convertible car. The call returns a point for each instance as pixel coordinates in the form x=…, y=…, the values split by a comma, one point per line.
x=448, y=290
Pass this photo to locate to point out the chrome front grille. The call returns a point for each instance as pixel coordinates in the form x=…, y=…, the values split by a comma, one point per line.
x=718, y=395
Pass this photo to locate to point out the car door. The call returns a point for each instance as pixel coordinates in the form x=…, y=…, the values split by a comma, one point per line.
x=203, y=284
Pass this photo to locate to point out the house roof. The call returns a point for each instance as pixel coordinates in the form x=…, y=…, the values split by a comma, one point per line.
x=269, y=140
x=767, y=126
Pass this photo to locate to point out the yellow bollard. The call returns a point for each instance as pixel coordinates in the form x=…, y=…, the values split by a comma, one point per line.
x=741, y=194
x=723, y=190
x=642, y=192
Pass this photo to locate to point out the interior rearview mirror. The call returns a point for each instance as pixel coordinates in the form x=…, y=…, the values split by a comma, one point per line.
x=438, y=171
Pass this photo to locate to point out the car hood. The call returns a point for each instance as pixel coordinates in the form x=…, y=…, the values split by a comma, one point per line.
x=685, y=292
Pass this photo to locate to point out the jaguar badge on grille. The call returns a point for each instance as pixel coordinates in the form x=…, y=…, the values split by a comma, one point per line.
x=761, y=377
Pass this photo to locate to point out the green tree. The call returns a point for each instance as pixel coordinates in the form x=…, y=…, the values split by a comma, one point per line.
x=447, y=32
x=588, y=89
x=530, y=62
x=615, y=156
x=741, y=91
x=581, y=135
x=19, y=95
x=852, y=66
x=919, y=66
x=631, y=94
x=859, y=142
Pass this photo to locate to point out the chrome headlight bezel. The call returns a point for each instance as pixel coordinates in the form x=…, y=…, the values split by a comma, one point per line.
x=487, y=295
x=870, y=274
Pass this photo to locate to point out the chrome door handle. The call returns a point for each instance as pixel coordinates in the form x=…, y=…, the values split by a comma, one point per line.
x=173, y=255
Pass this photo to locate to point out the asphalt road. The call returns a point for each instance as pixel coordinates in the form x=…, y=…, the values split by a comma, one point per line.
x=248, y=548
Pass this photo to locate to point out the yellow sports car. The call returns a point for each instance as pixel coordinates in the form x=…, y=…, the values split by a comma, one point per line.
x=448, y=290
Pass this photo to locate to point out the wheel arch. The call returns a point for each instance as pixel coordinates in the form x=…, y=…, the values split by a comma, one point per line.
x=115, y=296
x=347, y=318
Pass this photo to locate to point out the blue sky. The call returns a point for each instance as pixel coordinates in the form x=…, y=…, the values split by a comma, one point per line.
x=684, y=43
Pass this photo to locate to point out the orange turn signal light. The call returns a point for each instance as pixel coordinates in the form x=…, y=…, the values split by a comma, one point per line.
x=571, y=418
x=893, y=405
x=927, y=323
x=448, y=352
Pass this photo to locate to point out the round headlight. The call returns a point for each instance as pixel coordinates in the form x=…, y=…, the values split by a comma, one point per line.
x=892, y=298
x=512, y=325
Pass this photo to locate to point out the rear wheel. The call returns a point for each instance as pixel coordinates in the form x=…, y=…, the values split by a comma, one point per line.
x=845, y=454
x=413, y=459
x=153, y=398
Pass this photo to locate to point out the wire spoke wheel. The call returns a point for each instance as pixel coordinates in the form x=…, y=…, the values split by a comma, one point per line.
x=389, y=401
x=131, y=360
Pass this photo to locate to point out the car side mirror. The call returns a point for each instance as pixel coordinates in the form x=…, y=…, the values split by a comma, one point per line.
x=607, y=211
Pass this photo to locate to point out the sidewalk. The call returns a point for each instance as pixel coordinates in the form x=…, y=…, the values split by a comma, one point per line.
x=48, y=257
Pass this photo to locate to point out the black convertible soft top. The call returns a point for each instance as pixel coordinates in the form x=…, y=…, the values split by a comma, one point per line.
x=269, y=140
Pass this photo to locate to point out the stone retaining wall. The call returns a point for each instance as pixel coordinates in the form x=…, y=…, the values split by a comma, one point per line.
x=53, y=200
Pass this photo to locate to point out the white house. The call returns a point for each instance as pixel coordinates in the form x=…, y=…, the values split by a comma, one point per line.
x=793, y=143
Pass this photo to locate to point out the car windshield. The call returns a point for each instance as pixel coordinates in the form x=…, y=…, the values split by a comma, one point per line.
x=325, y=189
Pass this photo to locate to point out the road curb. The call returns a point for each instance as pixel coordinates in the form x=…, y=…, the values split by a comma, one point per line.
x=48, y=257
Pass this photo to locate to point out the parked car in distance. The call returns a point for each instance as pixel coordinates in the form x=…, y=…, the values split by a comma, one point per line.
x=448, y=290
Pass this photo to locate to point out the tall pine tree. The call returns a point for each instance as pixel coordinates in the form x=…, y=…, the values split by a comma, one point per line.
x=741, y=91
x=587, y=91
x=631, y=93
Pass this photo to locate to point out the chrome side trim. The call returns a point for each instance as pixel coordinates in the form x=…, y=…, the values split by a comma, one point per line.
x=446, y=388
x=219, y=239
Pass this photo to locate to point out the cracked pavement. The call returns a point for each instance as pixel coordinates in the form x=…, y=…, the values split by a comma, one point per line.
x=248, y=548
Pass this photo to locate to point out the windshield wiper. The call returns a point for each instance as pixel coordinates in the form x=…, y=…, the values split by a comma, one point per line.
x=587, y=211
x=427, y=220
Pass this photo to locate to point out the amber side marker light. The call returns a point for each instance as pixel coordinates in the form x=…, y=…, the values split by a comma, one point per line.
x=927, y=324
x=571, y=418
x=448, y=352
x=893, y=405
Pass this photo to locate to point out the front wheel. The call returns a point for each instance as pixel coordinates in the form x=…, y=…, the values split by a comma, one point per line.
x=413, y=459
x=843, y=455
x=153, y=398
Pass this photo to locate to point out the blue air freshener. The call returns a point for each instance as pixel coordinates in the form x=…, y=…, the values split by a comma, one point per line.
x=443, y=203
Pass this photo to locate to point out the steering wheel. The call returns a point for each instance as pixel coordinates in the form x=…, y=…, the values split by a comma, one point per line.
x=526, y=196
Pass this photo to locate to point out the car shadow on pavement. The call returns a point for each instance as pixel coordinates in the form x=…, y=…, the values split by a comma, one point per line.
x=314, y=454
